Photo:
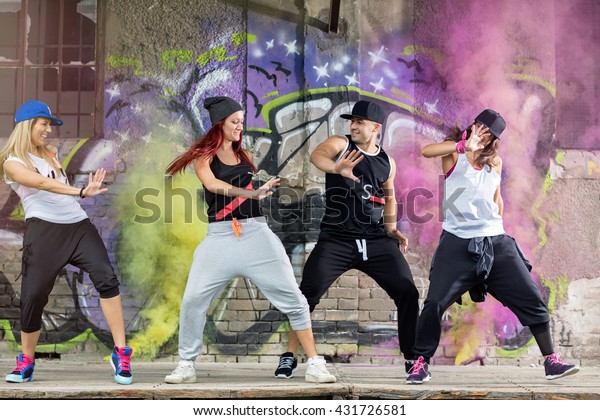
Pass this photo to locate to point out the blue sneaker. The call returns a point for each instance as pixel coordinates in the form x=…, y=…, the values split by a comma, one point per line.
x=120, y=361
x=24, y=370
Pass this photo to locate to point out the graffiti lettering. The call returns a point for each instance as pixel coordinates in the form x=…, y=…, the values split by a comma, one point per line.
x=171, y=57
x=592, y=168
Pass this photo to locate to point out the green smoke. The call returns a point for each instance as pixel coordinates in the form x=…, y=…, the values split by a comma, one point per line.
x=159, y=232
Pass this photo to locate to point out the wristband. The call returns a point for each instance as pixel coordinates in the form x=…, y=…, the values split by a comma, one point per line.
x=81, y=192
x=460, y=147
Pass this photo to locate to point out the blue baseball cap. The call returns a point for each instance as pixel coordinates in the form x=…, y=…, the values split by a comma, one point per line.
x=34, y=109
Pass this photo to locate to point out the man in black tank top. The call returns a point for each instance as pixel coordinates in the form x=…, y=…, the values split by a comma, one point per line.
x=355, y=209
x=358, y=230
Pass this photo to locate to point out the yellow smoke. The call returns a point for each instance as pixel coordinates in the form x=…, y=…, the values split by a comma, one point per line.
x=470, y=327
x=154, y=257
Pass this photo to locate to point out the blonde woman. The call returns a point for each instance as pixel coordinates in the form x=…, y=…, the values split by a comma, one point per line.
x=57, y=232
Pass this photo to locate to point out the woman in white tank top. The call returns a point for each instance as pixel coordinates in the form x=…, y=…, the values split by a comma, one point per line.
x=474, y=253
x=473, y=203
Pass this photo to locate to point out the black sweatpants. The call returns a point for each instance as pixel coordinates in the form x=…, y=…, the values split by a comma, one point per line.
x=380, y=259
x=454, y=271
x=47, y=249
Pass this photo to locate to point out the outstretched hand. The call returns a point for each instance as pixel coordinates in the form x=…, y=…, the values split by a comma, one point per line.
x=475, y=142
x=265, y=189
x=346, y=164
x=94, y=186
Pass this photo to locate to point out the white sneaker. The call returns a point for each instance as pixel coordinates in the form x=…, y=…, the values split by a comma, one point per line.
x=316, y=371
x=184, y=372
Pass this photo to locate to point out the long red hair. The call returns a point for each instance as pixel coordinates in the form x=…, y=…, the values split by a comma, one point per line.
x=206, y=148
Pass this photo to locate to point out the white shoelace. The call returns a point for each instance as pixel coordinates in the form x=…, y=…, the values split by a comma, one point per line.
x=286, y=362
x=180, y=369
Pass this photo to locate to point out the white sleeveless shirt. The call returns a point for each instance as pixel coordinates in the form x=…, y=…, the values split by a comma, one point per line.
x=469, y=207
x=45, y=205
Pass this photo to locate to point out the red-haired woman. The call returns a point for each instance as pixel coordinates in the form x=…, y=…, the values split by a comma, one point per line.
x=238, y=243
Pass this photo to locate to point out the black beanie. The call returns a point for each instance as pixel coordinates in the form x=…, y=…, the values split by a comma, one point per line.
x=221, y=107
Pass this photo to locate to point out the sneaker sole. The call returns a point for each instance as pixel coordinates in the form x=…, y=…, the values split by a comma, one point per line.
x=320, y=380
x=569, y=372
x=416, y=381
x=123, y=380
x=18, y=379
x=189, y=379
x=284, y=376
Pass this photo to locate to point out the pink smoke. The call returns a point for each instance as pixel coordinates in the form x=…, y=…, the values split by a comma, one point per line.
x=499, y=55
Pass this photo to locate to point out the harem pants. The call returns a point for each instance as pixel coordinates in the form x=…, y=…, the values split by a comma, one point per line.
x=459, y=265
x=47, y=248
x=258, y=255
x=379, y=258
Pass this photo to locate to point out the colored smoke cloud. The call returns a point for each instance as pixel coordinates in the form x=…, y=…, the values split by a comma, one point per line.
x=497, y=55
x=154, y=256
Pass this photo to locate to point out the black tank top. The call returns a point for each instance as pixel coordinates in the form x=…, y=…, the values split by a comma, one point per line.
x=222, y=207
x=355, y=210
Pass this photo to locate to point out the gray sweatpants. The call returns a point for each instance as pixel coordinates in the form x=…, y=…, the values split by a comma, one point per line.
x=258, y=255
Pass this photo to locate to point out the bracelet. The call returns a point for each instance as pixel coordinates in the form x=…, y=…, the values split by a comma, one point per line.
x=460, y=147
x=81, y=192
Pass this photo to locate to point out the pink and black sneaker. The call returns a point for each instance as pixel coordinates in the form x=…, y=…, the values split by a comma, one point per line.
x=556, y=368
x=24, y=370
x=419, y=372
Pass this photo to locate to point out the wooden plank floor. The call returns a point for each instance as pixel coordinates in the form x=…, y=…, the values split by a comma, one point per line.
x=93, y=380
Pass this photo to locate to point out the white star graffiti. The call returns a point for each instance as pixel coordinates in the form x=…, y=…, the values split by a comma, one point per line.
x=175, y=129
x=124, y=137
x=378, y=86
x=321, y=71
x=114, y=91
x=352, y=79
x=270, y=44
x=137, y=108
x=432, y=107
x=291, y=48
x=377, y=57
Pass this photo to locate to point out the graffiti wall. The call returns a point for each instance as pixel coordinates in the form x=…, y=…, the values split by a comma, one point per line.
x=431, y=65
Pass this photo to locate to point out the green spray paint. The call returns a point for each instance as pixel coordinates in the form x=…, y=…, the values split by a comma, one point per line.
x=64, y=347
x=72, y=152
x=220, y=53
x=552, y=293
x=18, y=213
x=240, y=38
x=171, y=57
x=300, y=95
x=560, y=155
x=117, y=62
